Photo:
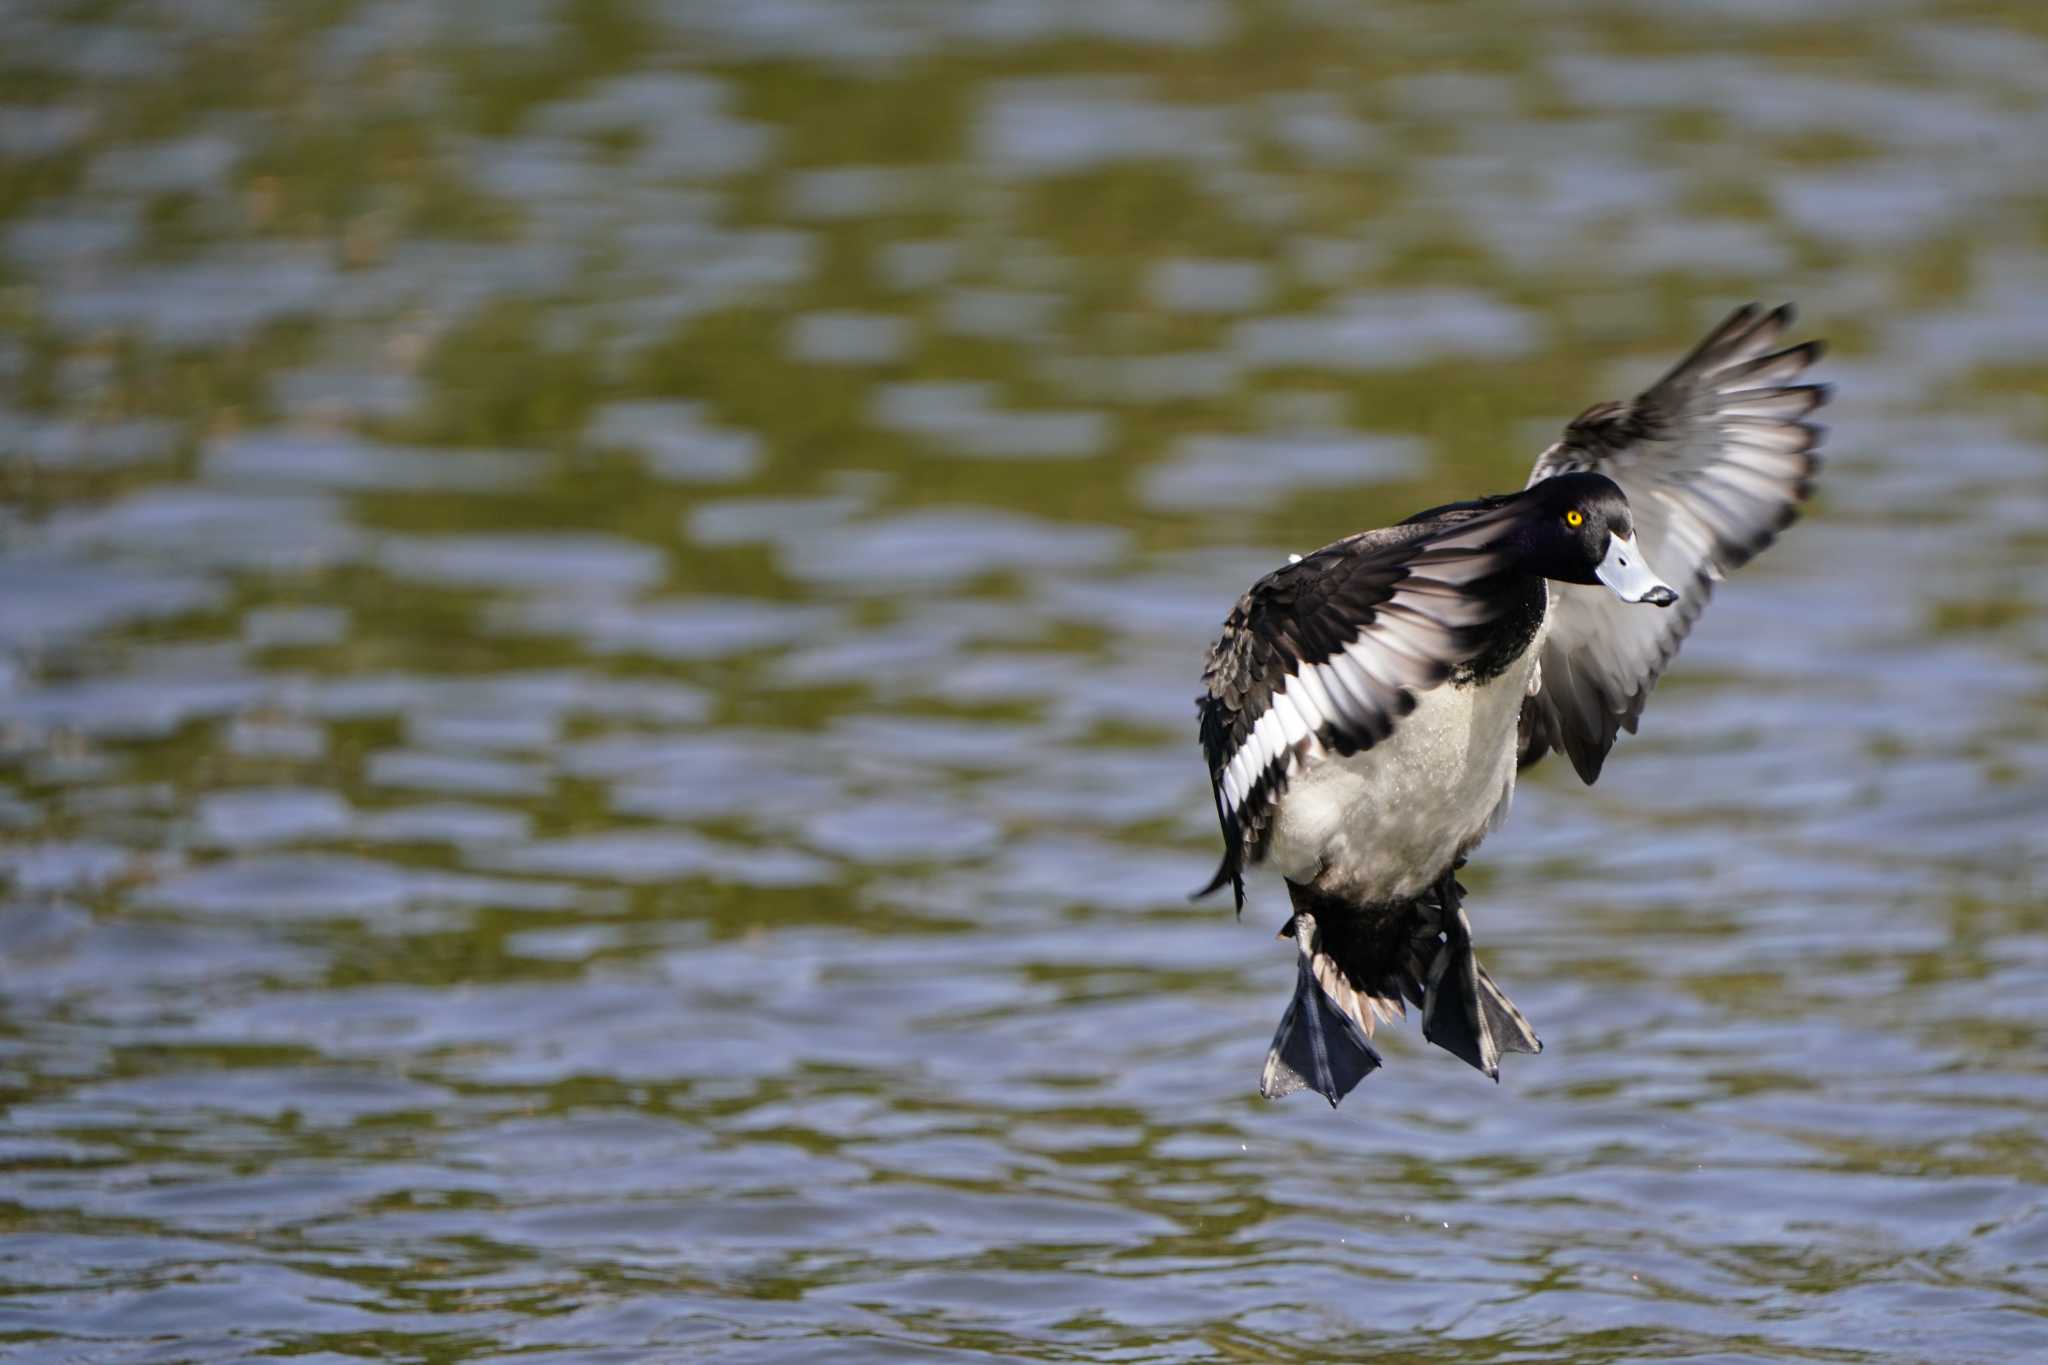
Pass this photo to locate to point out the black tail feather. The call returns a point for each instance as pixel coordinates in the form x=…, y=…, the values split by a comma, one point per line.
x=1355, y=964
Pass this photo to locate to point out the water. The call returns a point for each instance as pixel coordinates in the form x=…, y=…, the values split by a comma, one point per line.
x=600, y=605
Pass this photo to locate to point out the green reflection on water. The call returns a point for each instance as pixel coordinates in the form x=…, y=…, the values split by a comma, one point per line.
x=359, y=170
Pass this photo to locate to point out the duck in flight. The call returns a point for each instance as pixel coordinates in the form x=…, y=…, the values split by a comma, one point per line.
x=1367, y=706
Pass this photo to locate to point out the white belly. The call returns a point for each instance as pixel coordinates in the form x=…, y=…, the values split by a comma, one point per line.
x=1385, y=823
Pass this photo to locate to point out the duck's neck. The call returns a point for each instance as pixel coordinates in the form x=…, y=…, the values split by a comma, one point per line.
x=1511, y=635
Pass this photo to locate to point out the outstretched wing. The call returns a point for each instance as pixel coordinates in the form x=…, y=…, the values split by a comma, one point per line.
x=1326, y=655
x=1715, y=458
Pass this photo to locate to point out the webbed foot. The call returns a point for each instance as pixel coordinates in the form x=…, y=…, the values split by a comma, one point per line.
x=1463, y=1011
x=1317, y=1046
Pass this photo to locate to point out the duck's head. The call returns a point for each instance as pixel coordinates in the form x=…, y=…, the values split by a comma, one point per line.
x=1577, y=528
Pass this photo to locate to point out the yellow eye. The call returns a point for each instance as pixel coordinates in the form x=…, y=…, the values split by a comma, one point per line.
x=1575, y=518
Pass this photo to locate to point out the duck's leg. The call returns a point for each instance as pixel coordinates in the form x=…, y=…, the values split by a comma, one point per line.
x=1317, y=1046
x=1463, y=1011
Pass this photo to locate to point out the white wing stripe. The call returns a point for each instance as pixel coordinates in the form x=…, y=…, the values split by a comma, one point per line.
x=1318, y=697
x=1371, y=657
x=1347, y=680
x=1760, y=487
x=1254, y=751
x=1272, y=740
x=1293, y=724
x=1784, y=404
x=1787, y=465
x=1416, y=636
x=1770, y=435
x=1261, y=742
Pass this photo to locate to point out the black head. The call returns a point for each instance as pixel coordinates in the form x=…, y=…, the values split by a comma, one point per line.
x=1577, y=528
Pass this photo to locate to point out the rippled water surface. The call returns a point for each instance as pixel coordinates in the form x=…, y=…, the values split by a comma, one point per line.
x=598, y=609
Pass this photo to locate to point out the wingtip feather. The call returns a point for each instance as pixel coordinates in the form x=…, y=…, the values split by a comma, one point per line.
x=1226, y=872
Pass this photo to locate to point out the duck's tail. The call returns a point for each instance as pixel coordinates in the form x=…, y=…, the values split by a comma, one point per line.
x=1354, y=969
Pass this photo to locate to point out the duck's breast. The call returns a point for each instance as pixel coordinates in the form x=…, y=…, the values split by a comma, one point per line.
x=1384, y=823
